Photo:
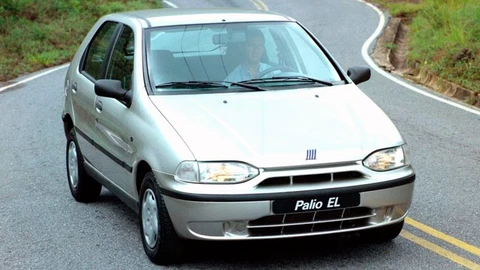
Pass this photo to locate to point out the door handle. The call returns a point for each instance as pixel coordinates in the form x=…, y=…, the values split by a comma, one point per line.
x=74, y=87
x=99, y=106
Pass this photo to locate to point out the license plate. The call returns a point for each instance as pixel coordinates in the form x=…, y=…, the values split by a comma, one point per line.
x=315, y=203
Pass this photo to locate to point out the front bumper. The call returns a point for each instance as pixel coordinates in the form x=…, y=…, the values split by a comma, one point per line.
x=251, y=217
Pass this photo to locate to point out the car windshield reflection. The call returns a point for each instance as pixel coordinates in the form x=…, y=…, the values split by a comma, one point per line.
x=235, y=52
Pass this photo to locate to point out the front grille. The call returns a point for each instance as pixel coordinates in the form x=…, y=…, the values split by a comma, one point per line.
x=310, y=179
x=311, y=222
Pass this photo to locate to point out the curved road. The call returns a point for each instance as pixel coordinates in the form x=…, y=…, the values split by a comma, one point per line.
x=42, y=227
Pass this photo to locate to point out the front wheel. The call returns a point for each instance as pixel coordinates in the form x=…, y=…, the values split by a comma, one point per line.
x=82, y=186
x=160, y=241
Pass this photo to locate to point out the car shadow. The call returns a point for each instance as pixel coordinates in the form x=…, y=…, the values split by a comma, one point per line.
x=332, y=250
x=113, y=204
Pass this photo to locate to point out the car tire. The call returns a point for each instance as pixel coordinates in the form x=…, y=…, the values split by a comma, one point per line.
x=159, y=239
x=383, y=234
x=82, y=186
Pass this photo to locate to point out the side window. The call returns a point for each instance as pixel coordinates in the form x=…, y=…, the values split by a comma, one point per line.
x=121, y=64
x=97, y=50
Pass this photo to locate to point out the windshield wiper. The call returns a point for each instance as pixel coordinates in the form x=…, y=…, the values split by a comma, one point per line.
x=303, y=79
x=206, y=84
x=247, y=82
x=253, y=87
x=192, y=84
x=288, y=79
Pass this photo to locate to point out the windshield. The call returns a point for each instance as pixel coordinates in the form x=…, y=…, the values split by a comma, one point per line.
x=273, y=54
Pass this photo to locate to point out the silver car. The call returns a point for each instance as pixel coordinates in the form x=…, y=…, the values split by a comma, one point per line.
x=228, y=124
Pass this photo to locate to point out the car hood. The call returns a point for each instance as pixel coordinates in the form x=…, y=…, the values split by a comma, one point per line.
x=282, y=127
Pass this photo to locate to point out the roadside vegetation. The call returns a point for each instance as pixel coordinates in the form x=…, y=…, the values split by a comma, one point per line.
x=39, y=34
x=443, y=38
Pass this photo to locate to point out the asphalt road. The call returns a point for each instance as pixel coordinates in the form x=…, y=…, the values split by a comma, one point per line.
x=42, y=227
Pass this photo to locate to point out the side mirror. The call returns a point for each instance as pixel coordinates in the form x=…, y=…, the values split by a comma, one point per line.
x=113, y=89
x=359, y=74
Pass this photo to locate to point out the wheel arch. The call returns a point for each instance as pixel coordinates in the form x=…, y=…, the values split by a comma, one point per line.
x=67, y=123
x=142, y=169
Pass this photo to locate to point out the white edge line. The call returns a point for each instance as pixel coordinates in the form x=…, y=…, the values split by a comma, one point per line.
x=33, y=77
x=170, y=4
x=372, y=64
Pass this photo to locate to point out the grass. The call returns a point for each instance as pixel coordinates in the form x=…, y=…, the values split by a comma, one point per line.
x=39, y=34
x=444, y=37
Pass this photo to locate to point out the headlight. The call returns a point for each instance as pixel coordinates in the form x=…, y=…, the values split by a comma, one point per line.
x=214, y=172
x=386, y=159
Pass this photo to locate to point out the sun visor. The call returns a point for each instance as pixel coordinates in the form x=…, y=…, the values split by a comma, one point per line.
x=235, y=37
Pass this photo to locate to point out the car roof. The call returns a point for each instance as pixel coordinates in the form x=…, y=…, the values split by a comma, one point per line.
x=186, y=16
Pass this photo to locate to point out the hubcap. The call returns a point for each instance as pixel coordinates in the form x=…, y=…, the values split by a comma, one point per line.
x=72, y=164
x=150, y=218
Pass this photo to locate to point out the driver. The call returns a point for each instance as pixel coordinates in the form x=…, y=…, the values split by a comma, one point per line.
x=251, y=65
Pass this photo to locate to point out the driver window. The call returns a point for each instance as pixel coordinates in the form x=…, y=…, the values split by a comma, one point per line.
x=121, y=63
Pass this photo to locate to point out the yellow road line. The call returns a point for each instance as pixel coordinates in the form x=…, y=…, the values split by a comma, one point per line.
x=265, y=7
x=444, y=237
x=259, y=4
x=441, y=251
x=255, y=4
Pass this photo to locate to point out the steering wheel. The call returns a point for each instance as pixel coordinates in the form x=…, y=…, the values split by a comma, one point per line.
x=271, y=69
